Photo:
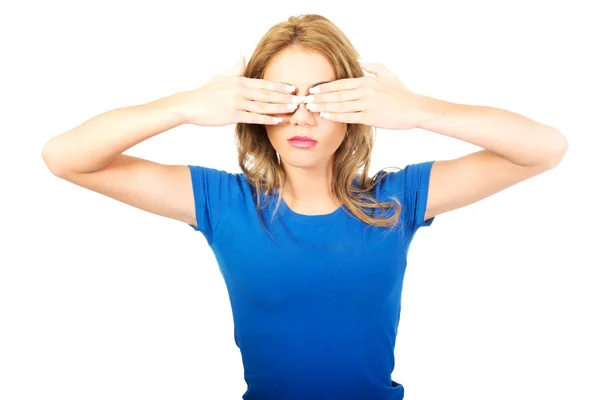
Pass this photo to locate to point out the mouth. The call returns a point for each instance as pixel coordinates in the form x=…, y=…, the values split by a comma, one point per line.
x=302, y=142
x=302, y=139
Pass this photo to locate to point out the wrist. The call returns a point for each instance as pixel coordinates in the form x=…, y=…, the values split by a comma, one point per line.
x=430, y=109
x=172, y=105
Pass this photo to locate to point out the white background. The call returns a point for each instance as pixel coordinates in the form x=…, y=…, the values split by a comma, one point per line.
x=99, y=300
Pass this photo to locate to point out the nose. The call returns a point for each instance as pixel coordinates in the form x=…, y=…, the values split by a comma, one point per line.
x=302, y=115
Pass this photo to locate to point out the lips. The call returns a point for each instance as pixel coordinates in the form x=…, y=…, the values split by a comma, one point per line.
x=302, y=139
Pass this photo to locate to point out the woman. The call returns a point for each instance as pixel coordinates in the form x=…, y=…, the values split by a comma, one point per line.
x=312, y=250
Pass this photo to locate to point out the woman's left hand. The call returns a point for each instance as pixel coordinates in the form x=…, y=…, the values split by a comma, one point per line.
x=381, y=101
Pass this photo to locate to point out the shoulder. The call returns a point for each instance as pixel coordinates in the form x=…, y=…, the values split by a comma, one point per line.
x=214, y=180
x=214, y=190
x=410, y=178
x=410, y=186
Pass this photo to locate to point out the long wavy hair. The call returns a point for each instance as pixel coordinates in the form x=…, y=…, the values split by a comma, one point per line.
x=258, y=159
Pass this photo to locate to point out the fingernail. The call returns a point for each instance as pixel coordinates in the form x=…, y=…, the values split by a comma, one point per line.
x=309, y=99
x=290, y=88
x=314, y=90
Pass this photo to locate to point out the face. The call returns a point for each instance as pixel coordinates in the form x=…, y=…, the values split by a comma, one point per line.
x=303, y=69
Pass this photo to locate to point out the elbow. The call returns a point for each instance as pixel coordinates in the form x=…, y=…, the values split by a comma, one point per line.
x=557, y=151
x=50, y=157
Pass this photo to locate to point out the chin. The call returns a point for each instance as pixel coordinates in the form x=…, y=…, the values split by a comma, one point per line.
x=303, y=161
x=299, y=163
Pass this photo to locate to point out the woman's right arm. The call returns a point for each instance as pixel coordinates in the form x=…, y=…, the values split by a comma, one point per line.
x=91, y=145
x=89, y=156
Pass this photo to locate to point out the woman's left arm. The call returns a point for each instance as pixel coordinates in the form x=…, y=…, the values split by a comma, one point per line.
x=516, y=148
x=520, y=140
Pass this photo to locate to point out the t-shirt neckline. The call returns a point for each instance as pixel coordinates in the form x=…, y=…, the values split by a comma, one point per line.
x=290, y=214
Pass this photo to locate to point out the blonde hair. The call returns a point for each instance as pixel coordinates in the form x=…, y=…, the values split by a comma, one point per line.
x=258, y=159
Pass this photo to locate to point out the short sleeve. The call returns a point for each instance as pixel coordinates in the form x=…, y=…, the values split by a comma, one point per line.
x=411, y=186
x=214, y=191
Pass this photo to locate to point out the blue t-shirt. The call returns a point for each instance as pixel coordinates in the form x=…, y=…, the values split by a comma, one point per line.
x=315, y=312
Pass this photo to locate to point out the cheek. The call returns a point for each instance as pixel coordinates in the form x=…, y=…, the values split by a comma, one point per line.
x=338, y=130
x=273, y=132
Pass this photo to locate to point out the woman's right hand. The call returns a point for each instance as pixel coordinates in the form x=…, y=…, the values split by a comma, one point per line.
x=229, y=98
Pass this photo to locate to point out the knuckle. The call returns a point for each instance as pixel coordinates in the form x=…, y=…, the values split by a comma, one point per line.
x=266, y=94
x=239, y=104
x=238, y=96
x=237, y=91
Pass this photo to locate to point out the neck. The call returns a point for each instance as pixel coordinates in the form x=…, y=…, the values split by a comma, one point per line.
x=308, y=187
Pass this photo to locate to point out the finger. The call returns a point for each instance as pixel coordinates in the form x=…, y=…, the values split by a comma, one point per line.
x=377, y=69
x=256, y=83
x=337, y=96
x=350, y=118
x=261, y=107
x=253, y=118
x=288, y=116
x=268, y=96
x=340, y=84
x=341, y=107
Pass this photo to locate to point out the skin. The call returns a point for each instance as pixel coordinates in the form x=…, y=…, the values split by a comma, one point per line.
x=308, y=171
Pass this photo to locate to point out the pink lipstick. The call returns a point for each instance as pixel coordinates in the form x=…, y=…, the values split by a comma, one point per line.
x=302, y=142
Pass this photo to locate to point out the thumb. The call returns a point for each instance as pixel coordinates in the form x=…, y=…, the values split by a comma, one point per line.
x=239, y=66
x=376, y=69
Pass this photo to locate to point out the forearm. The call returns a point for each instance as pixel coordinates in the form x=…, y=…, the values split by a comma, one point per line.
x=93, y=144
x=515, y=137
